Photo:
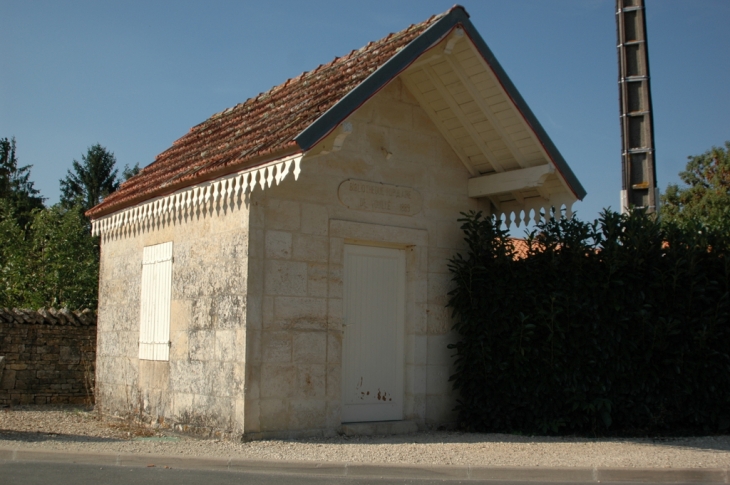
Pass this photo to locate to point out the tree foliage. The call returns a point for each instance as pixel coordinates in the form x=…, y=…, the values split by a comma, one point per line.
x=48, y=257
x=66, y=269
x=16, y=190
x=706, y=197
x=53, y=264
x=130, y=172
x=13, y=257
x=92, y=179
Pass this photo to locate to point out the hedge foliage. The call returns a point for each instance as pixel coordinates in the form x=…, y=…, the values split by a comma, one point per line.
x=615, y=327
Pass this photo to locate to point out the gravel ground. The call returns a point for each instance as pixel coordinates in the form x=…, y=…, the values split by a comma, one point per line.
x=73, y=429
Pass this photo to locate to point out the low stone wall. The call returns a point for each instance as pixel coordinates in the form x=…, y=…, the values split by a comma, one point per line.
x=49, y=356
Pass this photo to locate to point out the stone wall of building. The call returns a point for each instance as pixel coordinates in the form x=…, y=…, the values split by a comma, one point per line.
x=49, y=357
x=200, y=388
x=297, y=234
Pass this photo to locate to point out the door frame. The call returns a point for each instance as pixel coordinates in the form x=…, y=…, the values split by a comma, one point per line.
x=414, y=242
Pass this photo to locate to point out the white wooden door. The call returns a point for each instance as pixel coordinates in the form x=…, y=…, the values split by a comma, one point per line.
x=372, y=352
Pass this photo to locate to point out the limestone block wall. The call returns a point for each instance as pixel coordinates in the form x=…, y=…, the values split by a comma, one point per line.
x=297, y=234
x=200, y=388
x=49, y=357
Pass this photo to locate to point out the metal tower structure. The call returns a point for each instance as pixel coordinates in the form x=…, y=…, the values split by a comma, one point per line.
x=639, y=185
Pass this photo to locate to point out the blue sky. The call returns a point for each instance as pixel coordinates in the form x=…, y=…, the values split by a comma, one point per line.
x=136, y=75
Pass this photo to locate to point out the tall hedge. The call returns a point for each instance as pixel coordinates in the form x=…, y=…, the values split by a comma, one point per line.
x=616, y=327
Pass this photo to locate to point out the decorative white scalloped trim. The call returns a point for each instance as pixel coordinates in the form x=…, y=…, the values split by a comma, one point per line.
x=534, y=209
x=226, y=190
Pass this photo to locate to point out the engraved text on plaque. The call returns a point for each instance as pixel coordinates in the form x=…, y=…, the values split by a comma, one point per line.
x=377, y=197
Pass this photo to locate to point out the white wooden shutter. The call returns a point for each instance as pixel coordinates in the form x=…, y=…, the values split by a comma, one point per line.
x=154, y=329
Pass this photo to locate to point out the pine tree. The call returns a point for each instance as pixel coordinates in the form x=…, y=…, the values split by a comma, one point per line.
x=16, y=188
x=130, y=172
x=92, y=179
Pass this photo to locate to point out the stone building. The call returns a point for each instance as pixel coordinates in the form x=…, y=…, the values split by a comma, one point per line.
x=282, y=268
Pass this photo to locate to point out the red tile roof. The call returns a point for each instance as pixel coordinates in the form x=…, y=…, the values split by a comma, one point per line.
x=259, y=129
x=522, y=249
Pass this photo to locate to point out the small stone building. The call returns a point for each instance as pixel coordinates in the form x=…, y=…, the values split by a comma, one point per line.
x=282, y=268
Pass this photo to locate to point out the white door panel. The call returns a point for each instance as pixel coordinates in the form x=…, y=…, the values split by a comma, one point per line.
x=372, y=360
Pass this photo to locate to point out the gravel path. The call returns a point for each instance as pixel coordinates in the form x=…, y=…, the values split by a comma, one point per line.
x=73, y=429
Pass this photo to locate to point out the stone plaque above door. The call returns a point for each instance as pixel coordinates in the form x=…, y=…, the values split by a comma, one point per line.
x=379, y=197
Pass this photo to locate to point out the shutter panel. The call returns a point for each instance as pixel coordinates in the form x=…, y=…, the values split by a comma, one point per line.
x=145, y=320
x=154, y=330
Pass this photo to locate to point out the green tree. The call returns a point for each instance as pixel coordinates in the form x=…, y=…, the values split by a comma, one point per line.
x=66, y=259
x=54, y=264
x=130, y=172
x=48, y=258
x=16, y=188
x=14, y=257
x=706, y=198
x=92, y=179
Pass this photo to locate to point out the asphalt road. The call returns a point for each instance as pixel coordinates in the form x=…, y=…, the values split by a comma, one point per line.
x=28, y=473
x=32, y=473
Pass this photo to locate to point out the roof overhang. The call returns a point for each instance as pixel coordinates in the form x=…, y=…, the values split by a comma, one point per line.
x=223, y=193
x=460, y=85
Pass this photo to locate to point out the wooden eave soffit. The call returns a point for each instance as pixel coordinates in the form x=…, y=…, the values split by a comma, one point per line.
x=512, y=181
x=502, y=180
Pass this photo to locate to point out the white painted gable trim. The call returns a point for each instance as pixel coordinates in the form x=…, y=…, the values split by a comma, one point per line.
x=534, y=209
x=524, y=209
x=225, y=190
